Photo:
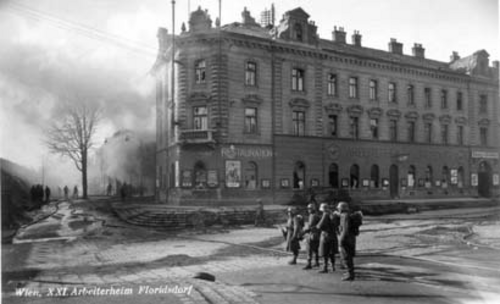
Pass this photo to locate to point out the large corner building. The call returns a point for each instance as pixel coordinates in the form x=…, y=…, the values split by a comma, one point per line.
x=246, y=111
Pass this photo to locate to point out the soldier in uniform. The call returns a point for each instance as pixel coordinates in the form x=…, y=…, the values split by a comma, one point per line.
x=313, y=235
x=293, y=231
x=328, y=238
x=347, y=240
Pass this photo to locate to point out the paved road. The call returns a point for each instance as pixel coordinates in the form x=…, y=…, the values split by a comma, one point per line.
x=419, y=259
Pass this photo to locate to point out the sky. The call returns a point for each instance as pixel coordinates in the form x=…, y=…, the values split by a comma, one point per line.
x=103, y=50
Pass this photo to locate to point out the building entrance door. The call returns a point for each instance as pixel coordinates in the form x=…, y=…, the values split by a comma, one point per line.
x=484, y=180
x=394, y=181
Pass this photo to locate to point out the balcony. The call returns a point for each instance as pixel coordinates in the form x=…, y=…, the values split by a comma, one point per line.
x=189, y=137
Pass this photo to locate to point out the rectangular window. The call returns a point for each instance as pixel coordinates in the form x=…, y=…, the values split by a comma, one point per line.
x=332, y=85
x=428, y=132
x=374, y=127
x=200, y=71
x=444, y=99
x=460, y=101
x=251, y=74
x=251, y=120
x=392, y=92
x=460, y=135
x=393, y=129
x=353, y=87
x=299, y=123
x=411, y=131
x=428, y=97
x=373, y=90
x=483, y=134
x=200, y=118
x=483, y=104
x=297, y=80
x=444, y=134
x=354, y=125
x=410, y=91
x=332, y=125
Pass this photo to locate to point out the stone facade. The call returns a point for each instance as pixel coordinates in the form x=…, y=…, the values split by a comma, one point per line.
x=271, y=112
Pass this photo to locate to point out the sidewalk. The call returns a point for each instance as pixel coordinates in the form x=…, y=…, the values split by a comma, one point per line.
x=391, y=206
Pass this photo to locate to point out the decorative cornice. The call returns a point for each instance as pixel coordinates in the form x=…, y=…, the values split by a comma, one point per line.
x=199, y=97
x=413, y=115
x=484, y=122
x=393, y=113
x=429, y=117
x=252, y=99
x=299, y=103
x=445, y=119
x=355, y=110
x=461, y=120
x=333, y=108
x=375, y=112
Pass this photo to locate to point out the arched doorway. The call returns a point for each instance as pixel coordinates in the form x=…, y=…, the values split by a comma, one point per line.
x=333, y=176
x=484, y=179
x=394, y=181
x=299, y=175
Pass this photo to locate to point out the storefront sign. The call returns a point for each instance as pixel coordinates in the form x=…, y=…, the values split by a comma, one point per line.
x=233, y=152
x=233, y=173
x=484, y=154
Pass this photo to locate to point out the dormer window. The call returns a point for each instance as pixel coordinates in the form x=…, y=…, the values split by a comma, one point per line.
x=298, y=31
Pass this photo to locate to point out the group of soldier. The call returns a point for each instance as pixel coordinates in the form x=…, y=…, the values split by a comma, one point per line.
x=39, y=194
x=327, y=234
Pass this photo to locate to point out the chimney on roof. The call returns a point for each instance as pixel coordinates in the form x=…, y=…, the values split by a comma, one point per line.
x=356, y=38
x=395, y=47
x=454, y=56
x=338, y=35
x=418, y=50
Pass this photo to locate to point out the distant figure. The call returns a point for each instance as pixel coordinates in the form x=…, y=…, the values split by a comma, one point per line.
x=33, y=193
x=260, y=218
x=312, y=234
x=123, y=191
x=75, y=192
x=47, y=194
x=66, y=192
x=347, y=241
x=109, y=190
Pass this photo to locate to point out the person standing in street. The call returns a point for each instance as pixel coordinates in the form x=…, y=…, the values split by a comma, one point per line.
x=47, y=194
x=260, y=219
x=312, y=238
x=293, y=231
x=328, y=238
x=66, y=192
x=75, y=192
x=347, y=240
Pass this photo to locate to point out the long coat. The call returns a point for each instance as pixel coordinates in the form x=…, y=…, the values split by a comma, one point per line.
x=328, y=243
x=293, y=234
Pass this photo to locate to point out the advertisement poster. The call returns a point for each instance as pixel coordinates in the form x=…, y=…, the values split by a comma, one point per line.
x=187, y=179
x=473, y=179
x=212, y=180
x=233, y=173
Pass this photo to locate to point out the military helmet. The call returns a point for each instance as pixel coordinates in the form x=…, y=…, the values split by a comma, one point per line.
x=343, y=206
x=291, y=210
x=323, y=207
x=311, y=206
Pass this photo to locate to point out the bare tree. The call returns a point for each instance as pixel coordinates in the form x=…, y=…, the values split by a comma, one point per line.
x=71, y=135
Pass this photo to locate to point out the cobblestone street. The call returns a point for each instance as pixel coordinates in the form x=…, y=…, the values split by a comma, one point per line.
x=106, y=258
